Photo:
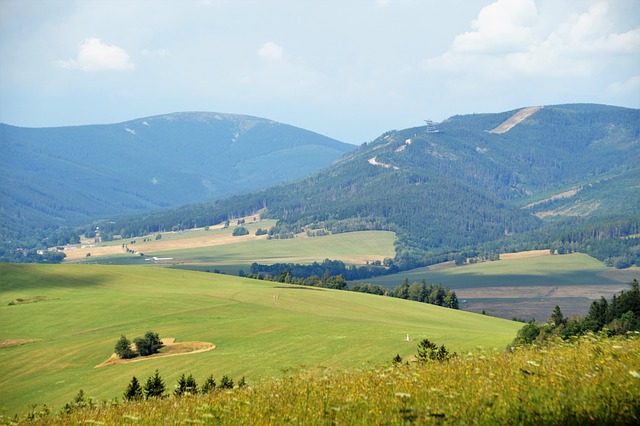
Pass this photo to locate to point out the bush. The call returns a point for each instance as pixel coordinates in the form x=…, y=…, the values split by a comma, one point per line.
x=149, y=344
x=429, y=351
x=123, y=348
x=239, y=231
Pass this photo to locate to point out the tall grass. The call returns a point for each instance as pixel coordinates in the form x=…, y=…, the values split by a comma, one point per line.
x=590, y=380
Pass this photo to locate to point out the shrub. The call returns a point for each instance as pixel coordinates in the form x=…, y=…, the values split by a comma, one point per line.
x=429, y=351
x=239, y=231
x=123, y=348
x=149, y=344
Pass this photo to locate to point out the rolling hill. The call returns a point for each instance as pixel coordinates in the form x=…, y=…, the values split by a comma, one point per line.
x=68, y=176
x=66, y=320
x=461, y=185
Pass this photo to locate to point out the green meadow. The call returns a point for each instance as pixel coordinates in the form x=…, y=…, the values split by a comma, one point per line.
x=261, y=330
x=558, y=270
x=352, y=248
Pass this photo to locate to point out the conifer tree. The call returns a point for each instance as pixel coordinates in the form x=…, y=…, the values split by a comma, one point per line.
x=209, y=385
x=226, y=382
x=133, y=391
x=154, y=388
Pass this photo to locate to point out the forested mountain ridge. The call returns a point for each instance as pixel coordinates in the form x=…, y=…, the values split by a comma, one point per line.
x=456, y=186
x=67, y=176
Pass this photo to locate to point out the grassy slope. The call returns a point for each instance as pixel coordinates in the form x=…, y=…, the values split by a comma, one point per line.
x=589, y=381
x=368, y=245
x=572, y=269
x=260, y=330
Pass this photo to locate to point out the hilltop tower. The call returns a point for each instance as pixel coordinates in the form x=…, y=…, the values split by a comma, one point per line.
x=432, y=126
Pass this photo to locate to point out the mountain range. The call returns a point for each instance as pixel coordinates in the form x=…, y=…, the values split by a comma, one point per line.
x=565, y=176
x=522, y=178
x=68, y=176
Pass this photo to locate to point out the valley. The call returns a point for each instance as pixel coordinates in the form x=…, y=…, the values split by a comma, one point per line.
x=507, y=224
x=525, y=285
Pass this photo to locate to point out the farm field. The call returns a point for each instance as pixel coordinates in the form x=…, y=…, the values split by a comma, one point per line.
x=524, y=285
x=218, y=249
x=50, y=347
x=175, y=240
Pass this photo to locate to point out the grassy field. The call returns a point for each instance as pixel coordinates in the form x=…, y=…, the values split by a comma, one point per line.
x=49, y=348
x=524, y=285
x=217, y=249
x=591, y=380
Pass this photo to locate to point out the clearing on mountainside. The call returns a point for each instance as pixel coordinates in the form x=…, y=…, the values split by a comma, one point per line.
x=515, y=119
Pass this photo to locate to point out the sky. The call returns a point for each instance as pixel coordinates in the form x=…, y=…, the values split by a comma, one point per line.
x=348, y=69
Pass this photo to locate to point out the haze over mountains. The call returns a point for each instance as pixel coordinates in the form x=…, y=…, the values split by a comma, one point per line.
x=461, y=184
x=69, y=176
x=470, y=182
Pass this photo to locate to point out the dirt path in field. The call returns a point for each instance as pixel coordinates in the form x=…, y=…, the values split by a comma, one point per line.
x=170, y=349
x=16, y=342
x=515, y=119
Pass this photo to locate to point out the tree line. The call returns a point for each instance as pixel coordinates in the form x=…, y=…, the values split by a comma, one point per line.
x=419, y=291
x=619, y=316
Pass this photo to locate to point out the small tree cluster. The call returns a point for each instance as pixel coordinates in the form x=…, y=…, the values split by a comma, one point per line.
x=148, y=345
x=429, y=351
x=153, y=388
x=186, y=385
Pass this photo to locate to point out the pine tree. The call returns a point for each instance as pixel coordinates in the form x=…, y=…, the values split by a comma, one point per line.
x=180, y=386
x=557, y=318
x=226, y=382
x=186, y=385
x=209, y=385
x=154, y=388
x=426, y=349
x=134, y=390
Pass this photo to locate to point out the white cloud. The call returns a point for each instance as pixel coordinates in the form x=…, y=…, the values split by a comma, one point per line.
x=511, y=38
x=270, y=50
x=94, y=55
x=501, y=26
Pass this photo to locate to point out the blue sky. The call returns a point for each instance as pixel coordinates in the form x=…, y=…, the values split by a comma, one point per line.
x=349, y=69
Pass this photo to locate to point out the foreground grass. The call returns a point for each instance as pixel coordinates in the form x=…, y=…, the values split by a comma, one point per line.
x=591, y=380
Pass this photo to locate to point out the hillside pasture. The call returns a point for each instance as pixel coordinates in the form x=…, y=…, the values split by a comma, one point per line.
x=219, y=250
x=524, y=285
x=260, y=329
x=169, y=241
x=351, y=248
